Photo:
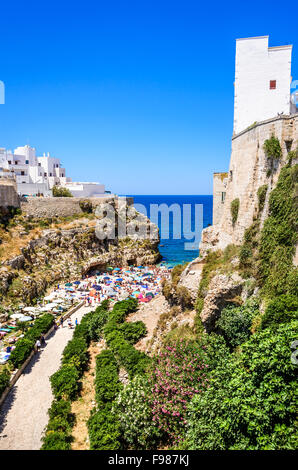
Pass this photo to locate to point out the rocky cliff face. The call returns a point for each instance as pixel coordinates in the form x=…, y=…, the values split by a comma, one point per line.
x=66, y=253
x=253, y=174
x=250, y=168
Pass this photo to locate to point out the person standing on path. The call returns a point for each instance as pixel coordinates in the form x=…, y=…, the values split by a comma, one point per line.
x=61, y=322
x=37, y=346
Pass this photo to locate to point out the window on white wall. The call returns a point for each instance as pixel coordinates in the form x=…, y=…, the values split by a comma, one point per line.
x=272, y=85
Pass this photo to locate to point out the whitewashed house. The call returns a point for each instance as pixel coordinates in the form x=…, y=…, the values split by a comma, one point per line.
x=37, y=175
x=262, y=81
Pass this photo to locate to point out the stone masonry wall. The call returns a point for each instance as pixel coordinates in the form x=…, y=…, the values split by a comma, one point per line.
x=8, y=193
x=62, y=206
x=219, y=187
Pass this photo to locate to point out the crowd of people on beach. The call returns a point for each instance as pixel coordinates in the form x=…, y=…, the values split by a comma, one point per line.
x=113, y=283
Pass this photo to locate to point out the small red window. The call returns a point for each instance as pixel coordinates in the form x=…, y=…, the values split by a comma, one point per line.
x=272, y=84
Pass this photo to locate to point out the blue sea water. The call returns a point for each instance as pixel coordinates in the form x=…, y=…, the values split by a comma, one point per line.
x=173, y=250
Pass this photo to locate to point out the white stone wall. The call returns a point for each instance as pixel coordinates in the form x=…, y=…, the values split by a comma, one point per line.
x=32, y=189
x=86, y=189
x=256, y=65
x=248, y=171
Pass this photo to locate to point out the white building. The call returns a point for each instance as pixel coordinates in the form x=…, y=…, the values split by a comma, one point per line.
x=262, y=81
x=37, y=175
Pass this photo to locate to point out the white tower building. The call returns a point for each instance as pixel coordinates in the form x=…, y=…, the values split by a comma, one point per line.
x=262, y=81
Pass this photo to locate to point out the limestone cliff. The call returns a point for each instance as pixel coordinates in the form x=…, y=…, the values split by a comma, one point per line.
x=230, y=252
x=250, y=169
x=33, y=259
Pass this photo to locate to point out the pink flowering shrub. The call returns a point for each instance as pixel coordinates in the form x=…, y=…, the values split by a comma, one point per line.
x=179, y=372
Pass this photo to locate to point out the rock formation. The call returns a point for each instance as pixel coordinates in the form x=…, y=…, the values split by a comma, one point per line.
x=68, y=253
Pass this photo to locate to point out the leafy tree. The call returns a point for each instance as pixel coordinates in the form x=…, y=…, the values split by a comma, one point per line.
x=251, y=402
x=235, y=323
x=60, y=191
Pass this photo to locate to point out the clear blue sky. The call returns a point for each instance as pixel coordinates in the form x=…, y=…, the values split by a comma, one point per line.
x=135, y=94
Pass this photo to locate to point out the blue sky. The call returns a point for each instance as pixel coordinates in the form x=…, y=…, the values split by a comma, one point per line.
x=135, y=94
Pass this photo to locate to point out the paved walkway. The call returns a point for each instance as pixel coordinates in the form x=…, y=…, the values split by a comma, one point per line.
x=23, y=415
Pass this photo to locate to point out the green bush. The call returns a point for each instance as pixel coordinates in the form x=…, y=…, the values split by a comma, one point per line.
x=65, y=383
x=107, y=384
x=21, y=352
x=235, y=204
x=25, y=345
x=282, y=309
x=104, y=432
x=61, y=409
x=251, y=401
x=4, y=380
x=76, y=353
x=184, y=297
x=86, y=206
x=245, y=255
x=60, y=191
x=272, y=148
x=132, y=332
x=276, y=273
x=56, y=440
x=262, y=191
x=235, y=323
x=103, y=428
x=96, y=324
x=82, y=329
x=135, y=362
x=41, y=325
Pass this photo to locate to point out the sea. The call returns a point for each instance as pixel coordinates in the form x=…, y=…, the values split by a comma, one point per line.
x=173, y=248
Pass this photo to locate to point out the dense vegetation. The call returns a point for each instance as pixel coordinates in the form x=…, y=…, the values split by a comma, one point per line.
x=66, y=381
x=103, y=425
x=234, y=388
x=25, y=346
x=251, y=400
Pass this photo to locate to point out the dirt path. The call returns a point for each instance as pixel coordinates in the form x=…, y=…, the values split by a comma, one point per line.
x=86, y=401
x=23, y=416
